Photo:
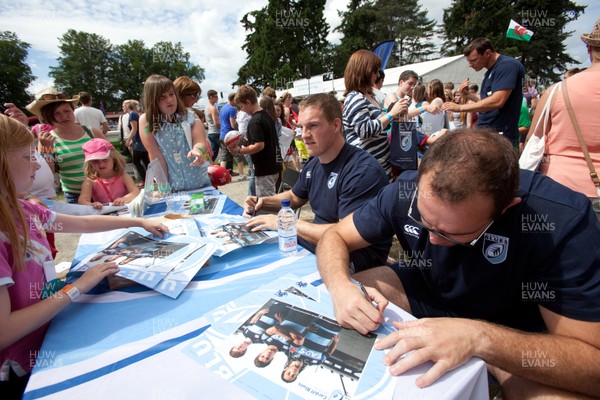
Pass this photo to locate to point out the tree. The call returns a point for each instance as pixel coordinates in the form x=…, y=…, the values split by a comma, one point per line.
x=358, y=31
x=172, y=61
x=86, y=64
x=131, y=68
x=544, y=56
x=284, y=37
x=15, y=74
x=406, y=23
x=367, y=23
x=90, y=63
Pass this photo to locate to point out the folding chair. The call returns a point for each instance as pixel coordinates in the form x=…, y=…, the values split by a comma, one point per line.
x=288, y=180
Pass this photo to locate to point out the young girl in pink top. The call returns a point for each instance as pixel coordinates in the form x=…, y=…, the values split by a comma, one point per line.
x=106, y=180
x=26, y=260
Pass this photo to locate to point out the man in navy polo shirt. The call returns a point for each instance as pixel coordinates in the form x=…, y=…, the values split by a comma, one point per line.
x=337, y=180
x=508, y=262
x=501, y=90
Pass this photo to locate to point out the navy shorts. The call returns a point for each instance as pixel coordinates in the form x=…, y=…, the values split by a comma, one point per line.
x=424, y=303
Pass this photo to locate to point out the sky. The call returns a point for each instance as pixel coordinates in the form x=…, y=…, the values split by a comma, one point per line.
x=208, y=29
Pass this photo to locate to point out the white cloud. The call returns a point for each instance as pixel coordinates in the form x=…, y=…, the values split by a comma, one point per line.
x=209, y=30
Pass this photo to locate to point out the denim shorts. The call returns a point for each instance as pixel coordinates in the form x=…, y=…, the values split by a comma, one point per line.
x=71, y=198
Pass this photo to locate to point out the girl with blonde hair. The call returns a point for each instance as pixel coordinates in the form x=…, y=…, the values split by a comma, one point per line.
x=28, y=291
x=106, y=180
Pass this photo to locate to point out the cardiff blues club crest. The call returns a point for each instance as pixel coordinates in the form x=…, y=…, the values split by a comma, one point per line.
x=495, y=248
x=332, y=179
x=406, y=142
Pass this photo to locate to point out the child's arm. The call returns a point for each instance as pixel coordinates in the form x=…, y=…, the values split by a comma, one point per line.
x=131, y=188
x=102, y=223
x=150, y=143
x=200, y=146
x=17, y=324
x=134, y=131
x=85, y=197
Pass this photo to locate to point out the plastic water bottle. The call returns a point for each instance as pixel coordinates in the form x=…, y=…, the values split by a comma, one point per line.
x=286, y=227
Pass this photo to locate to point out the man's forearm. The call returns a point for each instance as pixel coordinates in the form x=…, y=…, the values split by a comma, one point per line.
x=273, y=203
x=493, y=102
x=553, y=360
x=311, y=232
x=333, y=259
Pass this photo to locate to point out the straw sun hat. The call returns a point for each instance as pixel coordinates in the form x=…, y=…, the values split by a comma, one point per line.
x=47, y=96
x=593, y=39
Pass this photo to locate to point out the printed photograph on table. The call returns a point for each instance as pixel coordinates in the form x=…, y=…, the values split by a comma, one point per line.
x=291, y=347
x=305, y=339
x=148, y=260
x=133, y=249
x=79, y=209
x=182, y=226
x=230, y=232
x=184, y=270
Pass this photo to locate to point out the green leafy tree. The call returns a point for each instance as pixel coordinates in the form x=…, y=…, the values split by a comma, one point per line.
x=358, y=30
x=405, y=22
x=15, y=74
x=131, y=68
x=367, y=23
x=284, y=37
x=172, y=61
x=544, y=56
x=110, y=73
x=86, y=64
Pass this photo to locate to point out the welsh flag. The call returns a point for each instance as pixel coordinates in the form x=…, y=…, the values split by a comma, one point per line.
x=518, y=32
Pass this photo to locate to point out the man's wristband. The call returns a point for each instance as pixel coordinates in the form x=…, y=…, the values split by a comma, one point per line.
x=422, y=109
x=71, y=291
x=389, y=116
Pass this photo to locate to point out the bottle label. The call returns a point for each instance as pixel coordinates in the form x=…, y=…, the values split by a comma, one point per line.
x=288, y=244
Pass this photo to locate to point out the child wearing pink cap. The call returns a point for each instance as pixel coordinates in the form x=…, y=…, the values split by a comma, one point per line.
x=106, y=180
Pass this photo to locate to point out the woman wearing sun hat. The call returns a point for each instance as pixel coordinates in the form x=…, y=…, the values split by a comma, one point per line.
x=62, y=145
x=564, y=160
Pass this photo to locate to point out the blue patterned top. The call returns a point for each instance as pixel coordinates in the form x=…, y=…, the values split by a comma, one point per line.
x=174, y=146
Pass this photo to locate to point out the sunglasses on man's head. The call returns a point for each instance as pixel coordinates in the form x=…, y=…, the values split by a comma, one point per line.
x=59, y=96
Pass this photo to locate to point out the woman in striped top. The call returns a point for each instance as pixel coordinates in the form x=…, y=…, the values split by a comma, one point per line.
x=365, y=124
x=63, y=145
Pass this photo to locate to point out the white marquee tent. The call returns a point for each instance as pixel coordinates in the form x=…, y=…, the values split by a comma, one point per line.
x=448, y=69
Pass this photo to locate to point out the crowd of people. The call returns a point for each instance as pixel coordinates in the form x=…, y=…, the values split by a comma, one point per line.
x=468, y=220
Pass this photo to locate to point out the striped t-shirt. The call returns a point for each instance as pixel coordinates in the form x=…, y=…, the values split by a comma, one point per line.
x=363, y=129
x=70, y=158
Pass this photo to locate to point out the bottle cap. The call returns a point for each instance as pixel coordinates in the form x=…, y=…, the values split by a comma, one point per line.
x=285, y=203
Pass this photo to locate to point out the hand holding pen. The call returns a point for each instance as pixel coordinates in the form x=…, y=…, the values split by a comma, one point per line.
x=255, y=204
x=251, y=206
x=351, y=309
x=364, y=291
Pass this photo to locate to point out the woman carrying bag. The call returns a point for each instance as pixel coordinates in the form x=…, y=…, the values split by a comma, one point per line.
x=570, y=157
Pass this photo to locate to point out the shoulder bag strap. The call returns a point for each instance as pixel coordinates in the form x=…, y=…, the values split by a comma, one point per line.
x=121, y=128
x=584, y=148
x=110, y=197
x=88, y=131
x=545, y=115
